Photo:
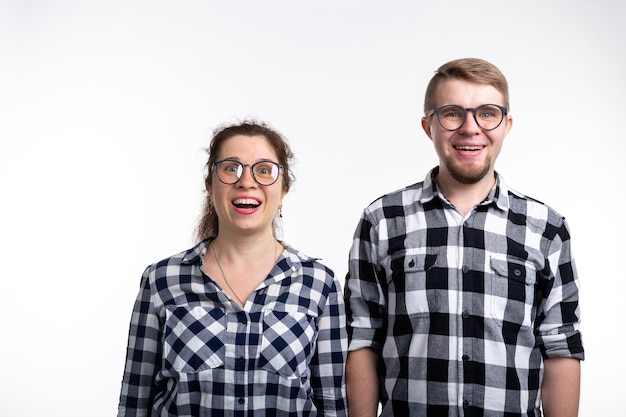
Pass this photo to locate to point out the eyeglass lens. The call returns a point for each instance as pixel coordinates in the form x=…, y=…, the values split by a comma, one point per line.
x=487, y=116
x=264, y=172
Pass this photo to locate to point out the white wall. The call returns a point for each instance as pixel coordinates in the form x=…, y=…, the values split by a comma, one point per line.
x=105, y=108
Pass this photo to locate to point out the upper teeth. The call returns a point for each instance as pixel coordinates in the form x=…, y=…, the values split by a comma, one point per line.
x=469, y=148
x=249, y=201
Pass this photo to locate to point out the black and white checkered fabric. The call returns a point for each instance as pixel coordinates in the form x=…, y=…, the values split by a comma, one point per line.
x=194, y=352
x=463, y=310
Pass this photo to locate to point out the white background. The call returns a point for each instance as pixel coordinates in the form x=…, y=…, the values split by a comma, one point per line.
x=106, y=108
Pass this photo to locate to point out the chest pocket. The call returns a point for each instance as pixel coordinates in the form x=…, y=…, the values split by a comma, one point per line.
x=513, y=292
x=414, y=286
x=193, y=338
x=287, y=343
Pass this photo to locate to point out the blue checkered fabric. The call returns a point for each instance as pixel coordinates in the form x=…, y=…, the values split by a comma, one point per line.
x=194, y=352
x=462, y=309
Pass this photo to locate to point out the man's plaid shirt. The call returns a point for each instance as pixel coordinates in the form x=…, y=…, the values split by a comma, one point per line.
x=462, y=310
x=194, y=352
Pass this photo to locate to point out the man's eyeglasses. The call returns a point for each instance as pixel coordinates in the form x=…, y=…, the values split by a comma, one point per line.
x=230, y=171
x=452, y=117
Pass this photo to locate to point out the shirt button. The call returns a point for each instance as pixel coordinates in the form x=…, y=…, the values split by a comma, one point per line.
x=465, y=403
x=465, y=314
x=465, y=357
x=241, y=317
x=465, y=269
x=241, y=400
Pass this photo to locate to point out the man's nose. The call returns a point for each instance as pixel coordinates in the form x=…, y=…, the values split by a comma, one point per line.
x=469, y=126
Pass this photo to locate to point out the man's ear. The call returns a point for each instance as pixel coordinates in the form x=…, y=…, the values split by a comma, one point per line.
x=426, y=127
x=509, y=124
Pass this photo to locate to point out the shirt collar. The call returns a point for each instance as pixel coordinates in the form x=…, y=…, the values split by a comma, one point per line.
x=499, y=194
x=195, y=254
x=290, y=259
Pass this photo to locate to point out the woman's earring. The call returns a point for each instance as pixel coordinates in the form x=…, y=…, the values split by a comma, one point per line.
x=280, y=212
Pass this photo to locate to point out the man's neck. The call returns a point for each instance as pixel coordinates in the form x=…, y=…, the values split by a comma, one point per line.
x=465, y=196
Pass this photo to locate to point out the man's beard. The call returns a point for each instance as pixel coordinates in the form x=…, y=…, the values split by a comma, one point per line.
x=468, y=173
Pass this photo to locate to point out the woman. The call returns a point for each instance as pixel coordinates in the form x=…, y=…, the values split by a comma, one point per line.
x=242, y=323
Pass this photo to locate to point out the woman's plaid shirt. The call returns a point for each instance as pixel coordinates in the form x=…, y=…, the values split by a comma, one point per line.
x=194, y=352
x=463, y=310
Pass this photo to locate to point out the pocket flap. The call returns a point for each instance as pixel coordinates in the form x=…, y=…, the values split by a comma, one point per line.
x=514, y=269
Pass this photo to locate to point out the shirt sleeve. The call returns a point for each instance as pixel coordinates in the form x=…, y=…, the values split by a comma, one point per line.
x=328, y=361
x=143, y=355
x=558, y=324
x=364, y=294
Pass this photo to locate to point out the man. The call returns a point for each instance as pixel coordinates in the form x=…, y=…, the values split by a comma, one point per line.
x=462, y=294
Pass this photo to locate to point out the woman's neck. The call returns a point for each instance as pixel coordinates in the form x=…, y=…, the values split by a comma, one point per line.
x=249, y=248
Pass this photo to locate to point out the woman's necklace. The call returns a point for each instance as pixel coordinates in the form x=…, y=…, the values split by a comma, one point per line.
x=217, y=260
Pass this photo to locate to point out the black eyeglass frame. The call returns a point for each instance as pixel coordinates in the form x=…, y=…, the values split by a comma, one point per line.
x=243, y=168
x=437, y=111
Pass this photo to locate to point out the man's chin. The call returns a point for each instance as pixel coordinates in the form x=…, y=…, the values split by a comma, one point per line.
x=469, y=176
